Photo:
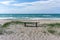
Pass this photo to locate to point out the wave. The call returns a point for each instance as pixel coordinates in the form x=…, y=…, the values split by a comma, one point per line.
x=14, y=18
x=7, y=18
x=46, y=15
x=45, y=18
x=29, y=18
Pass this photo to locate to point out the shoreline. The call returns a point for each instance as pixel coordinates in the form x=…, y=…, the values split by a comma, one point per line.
x=32, y=18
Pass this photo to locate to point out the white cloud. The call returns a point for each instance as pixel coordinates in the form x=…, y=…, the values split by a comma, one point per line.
x=39, y=6
x=7, y=2
x=22, y=4
x=36, y=6
x=33, y=3
x=36, y=3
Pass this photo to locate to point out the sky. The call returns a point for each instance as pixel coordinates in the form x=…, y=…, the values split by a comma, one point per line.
x=29, y=6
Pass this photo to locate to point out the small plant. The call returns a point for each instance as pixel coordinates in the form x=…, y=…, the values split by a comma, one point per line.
x=52, y=25
x=51, y=31
x=6, y=24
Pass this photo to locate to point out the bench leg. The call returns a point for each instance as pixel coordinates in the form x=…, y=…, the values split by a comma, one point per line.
x=25, y=24
x=36, y=24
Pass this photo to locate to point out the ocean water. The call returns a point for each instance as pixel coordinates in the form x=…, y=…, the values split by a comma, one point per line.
x=30, y=16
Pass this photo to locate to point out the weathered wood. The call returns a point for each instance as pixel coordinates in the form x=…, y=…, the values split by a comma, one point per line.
x=36, y=24
x=25, y=24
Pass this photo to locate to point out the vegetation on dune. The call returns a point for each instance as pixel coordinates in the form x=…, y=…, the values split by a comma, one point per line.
x=54, y=28
x=17, y=22
x=54, y=25
x=1, y=29
x=12, y=22
x=6, y=24
x=59, y=33
x=51, y=31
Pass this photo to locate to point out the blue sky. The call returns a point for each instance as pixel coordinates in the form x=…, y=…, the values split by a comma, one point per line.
x=29, y=6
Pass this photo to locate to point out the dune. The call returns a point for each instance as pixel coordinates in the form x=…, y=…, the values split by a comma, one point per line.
x=28, y=33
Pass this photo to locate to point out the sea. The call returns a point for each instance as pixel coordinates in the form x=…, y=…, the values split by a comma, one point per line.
x=30, y=16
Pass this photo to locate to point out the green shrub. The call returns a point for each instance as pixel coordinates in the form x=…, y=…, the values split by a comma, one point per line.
x=12, y=22
x=6, y=24
x=51, y=25
x=54, y=25
x=51, y=31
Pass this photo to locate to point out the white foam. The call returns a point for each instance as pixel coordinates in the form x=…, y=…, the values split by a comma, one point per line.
x=28, y=18
x=7, y=18
x=45, y=18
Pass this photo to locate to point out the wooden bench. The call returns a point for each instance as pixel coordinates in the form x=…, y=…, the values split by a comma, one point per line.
x=30, y=24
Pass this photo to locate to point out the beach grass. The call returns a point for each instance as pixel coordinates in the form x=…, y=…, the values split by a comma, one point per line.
x=12, y=22
x=16, y=21
x=54, y=25
x=51, y=31
x=6, y=24
x=53, y=28
x=19, y=22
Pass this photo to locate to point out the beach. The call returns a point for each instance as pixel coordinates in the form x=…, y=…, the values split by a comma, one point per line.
x=28, y=33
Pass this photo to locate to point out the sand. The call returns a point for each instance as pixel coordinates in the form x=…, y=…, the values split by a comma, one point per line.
x=28, y=33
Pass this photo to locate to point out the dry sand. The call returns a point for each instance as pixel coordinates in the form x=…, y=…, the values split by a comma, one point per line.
x=28, y=33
